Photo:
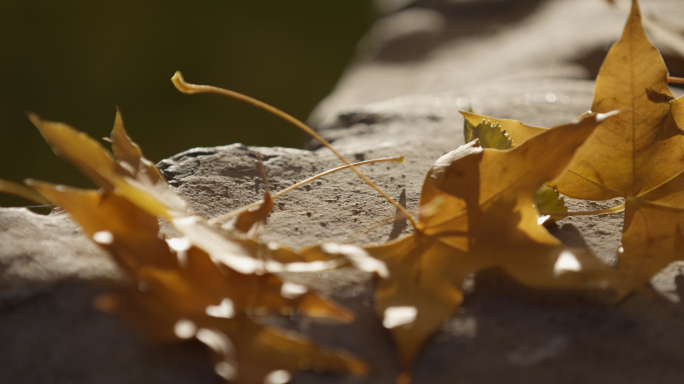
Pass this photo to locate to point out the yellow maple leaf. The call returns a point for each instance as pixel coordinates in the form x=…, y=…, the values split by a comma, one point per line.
x=638, y=156
x=477, y=212
x=637, y=151
x=179, y=292
x=212, y=284
x=125, y=171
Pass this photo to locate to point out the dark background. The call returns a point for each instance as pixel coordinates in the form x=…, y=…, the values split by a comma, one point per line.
x=75, y=61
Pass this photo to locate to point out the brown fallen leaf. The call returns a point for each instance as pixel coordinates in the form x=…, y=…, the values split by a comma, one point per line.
x=637, y=151
x=126, y=171
x=637, y=156
x=252, y=220
x=179, y=292
x=477, y=212
x=213, y=284
x=653, y=233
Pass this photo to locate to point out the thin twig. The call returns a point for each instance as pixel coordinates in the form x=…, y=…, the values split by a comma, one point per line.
x=232, y=214
x=190, y=89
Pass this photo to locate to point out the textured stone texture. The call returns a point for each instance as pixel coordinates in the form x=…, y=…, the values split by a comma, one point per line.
x=422, y=62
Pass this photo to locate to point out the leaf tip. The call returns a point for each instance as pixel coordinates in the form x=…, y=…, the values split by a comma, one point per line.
x=35, y=119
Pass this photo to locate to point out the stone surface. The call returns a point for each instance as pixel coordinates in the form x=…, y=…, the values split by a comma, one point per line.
x=423, y=61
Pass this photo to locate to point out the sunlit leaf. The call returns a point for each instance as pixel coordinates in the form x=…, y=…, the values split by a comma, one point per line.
x=179, y=292
x=639, y=155
x=481, y=215
x=491, y=135
x=640, y=149
x=130, y=175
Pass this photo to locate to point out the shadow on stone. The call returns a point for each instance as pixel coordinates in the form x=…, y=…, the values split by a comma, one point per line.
x=428, y=24
x=400, y=222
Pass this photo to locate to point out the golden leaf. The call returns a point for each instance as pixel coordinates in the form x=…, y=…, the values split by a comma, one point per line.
x=212, y=284
x=127, y=172
x=477, y=212
x=637, y=151
x=178, y=292
x=638, y=155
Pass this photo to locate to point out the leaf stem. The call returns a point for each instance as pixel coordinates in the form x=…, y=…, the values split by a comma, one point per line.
x=675, y=80
x=191, y=89
x=615, y=209
x=229, y=215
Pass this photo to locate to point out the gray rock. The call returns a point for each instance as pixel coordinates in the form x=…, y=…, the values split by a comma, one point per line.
x=424, y=61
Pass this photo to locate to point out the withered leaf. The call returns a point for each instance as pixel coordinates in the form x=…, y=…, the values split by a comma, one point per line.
x=639, y=150
x=212, y=284
x=477, y=212
x=251, y=220
x=179, y=292
x=127, y=172
x=653, y=233
x=638, y=156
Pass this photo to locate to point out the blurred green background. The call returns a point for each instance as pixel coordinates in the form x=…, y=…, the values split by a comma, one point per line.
x=75, y=61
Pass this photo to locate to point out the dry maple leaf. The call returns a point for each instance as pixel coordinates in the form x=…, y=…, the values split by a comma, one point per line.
x=640, y=150
x=178, y=292
x=477, y=212
x=638, y=156
x=126, y=172
x=635, y=152
x=212, y=284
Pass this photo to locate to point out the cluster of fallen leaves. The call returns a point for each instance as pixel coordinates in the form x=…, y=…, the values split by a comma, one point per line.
x=216, y=285
x=221, y=285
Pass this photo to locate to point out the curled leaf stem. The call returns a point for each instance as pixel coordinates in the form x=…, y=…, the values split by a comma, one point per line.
x=615, y=209
x=191, y=89
x=229, y=215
